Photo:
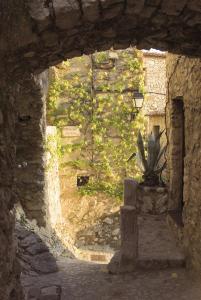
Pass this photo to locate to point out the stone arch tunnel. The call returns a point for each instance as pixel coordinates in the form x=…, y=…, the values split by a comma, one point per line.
x=36, y=34
x=42, y=33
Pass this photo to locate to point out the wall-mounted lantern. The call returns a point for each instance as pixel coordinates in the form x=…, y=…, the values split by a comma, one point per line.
x=138, y=100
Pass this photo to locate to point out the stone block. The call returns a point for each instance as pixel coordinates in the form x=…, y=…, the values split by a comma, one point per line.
x=21, y=232
x=113, y=11
x=67, y=13
x=40, y=13
x=91, y=10
x=153, y=2
x=152, y=200
x=44, y=263
x=29, y=240
x=146, y=205
x=134, y=6
x=194, y=5
x=108, y=3
x=37, y=248
x=173, y=8
x=50, y=293
x=130, y=192
x=161, y=204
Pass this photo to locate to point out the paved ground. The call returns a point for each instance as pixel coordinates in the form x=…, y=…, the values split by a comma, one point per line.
x=81, y=280
x=88, y=281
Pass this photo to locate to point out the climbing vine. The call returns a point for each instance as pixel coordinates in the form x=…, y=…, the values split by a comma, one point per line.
x=100, y=104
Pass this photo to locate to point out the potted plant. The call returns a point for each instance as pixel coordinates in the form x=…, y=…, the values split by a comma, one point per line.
x=150, y=158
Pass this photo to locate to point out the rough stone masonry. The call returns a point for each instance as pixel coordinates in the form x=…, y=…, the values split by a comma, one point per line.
x=185, y=165
x=36, y=34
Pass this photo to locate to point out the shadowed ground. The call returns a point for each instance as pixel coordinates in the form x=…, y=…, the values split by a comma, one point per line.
x=88, y=281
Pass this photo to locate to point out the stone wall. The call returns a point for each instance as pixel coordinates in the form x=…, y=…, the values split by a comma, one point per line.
x=9, y=269
x=152, y=200
x=43, y=33
x=155, y=82
x=113, y=82
x=107, y=78
x=184, y=77
x=30, y=133
x=155, y=90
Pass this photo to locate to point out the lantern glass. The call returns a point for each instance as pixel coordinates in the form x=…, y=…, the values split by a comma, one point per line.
x=138, y=99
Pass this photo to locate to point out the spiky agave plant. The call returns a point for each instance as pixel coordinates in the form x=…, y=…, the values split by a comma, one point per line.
x=150, y=161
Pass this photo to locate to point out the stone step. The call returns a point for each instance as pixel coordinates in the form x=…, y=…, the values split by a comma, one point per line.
x=160, y=264
x=158, y=248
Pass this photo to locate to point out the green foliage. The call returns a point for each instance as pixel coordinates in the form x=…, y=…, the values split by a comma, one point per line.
x=101, y=57
x=104, y=121
x=151, y=163
x=110, y=189
x=55, y=91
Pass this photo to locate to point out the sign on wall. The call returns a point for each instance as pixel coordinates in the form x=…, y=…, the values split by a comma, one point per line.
x=71, y=131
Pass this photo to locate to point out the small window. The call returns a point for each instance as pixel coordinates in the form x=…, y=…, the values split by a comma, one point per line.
x=82, y=180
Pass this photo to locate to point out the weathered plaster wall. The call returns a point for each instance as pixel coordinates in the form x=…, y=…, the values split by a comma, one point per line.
x=9, y=269
x=52, y=183
x=155, y=82
x=30, y=135
x=185, y=81
x=155, y=89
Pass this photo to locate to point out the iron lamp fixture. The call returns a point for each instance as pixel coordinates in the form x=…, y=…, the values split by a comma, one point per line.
x=138, y=100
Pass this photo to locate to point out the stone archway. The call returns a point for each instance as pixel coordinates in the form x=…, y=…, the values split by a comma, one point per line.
x=37, y=34
x=43, y=33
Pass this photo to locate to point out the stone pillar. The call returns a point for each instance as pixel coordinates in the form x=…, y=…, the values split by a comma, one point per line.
x=126, y=259
x=130, y=192
x=30, y=146
x=129, y=239
x=9, y=269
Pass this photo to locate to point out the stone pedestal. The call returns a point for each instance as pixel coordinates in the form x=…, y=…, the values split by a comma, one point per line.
x=129, y=238
x=130, y=192
x=126, y=259
x=138, y=200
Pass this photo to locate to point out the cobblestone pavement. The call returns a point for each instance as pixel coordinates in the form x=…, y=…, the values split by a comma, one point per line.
x=88, y=281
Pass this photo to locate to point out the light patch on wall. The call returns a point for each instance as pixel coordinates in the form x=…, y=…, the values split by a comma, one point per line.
x=70, y=131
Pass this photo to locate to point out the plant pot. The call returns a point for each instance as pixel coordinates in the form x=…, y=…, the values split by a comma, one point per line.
x=152, y=200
